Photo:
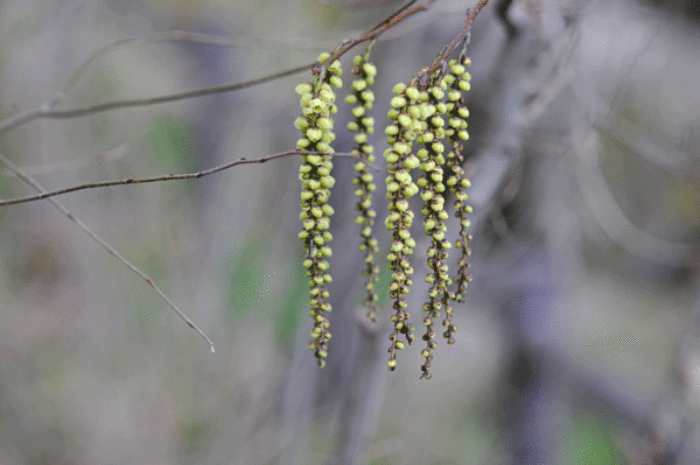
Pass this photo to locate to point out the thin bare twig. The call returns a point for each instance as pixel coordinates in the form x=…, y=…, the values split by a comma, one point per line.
x=45, y=169
x=449, y=48
x=375, y=32
x=46, y=110
x=171, y=36
x=613, y=220
x=29, y=180
x=168, y=177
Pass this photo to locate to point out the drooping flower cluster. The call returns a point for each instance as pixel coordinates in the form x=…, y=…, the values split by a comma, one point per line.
x=428, y=117
x=434, y=215
x=362, y=124
x=408, y=115
x=458, y=81
x=318, y=103
x=425, y=133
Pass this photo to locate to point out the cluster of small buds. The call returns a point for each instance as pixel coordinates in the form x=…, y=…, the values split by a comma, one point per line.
x=458, y=80
x=434, y=214
x=427, y=117
x=408, y=113
x=318, y=103
x=362, y=125
x=425, y=132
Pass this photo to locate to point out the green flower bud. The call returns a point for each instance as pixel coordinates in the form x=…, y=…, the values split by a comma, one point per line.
x=304, y=88
x=358, y=112
x=438, y=147
x=411, y=162
x=367, y=96
x=326, y=95
x=327, y=182
x=335, y=68
x=405, y=120
x=391, y=130
x=324, y=147
x=399, y=88
x=391, y=156
x=336, y=81
x=457, y=69
x=402, y=205
x=412, y=93
x=359, y=85
x=437, y=92
x=398, y=102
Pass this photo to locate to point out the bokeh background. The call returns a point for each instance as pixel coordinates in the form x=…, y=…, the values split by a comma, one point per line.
x=579, y=342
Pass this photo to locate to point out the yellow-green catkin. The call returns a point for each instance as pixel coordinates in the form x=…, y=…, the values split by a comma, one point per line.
x=431, y=183
x=317, y=101
x=457, y=80
x=362, y=98
x=407, y=122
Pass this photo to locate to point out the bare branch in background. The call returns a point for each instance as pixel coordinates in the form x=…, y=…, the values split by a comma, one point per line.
x=167, y=177
x=46, y=110
x=614, y=222
x=29, y=180
x=45, y=169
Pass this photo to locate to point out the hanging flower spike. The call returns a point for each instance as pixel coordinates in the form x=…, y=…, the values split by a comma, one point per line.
x=434, y=214
x=363, y=125
x=406, y=115
x=316, y=125
x=458, y=81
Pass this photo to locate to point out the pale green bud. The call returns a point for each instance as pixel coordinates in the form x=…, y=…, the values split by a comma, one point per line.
x=411, y=162
x=304, y=88
x=398, y=88
x=336, y=81
x=359, y=86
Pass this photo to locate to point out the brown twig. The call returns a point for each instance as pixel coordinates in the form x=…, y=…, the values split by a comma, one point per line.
x=388, y=23
x=46, y=110
x=167, y=177
x=449, y=48
x=29, y=180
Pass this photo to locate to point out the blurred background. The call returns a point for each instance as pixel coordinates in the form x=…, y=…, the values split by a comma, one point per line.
x=579, y=342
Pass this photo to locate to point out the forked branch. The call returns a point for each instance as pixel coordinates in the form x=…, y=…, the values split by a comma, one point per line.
x=29, y=180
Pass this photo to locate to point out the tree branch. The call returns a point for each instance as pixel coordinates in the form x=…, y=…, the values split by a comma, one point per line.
x=167, y=177
x=46, y=109
x=406, y=11
x=29, y=180
x=449, y=48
